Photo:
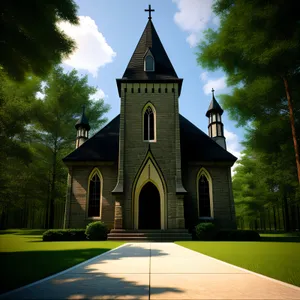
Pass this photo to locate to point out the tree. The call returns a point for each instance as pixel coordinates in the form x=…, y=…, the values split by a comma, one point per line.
x=31, y=41
x=17, y=105
x=258, y=41
x=65, y=93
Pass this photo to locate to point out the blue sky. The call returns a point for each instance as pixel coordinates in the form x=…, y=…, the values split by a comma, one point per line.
x=109, y=32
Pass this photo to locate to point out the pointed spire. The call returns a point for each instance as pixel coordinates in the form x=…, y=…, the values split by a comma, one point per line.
x=83, y=121
x=164, y=69
x=214, y=105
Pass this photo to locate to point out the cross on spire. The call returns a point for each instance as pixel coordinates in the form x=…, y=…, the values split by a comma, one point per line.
x=212, y=90
x=149, y=10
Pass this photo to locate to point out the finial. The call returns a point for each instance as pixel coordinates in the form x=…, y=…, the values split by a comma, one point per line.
x=83, y=109
x=212, y=90
x=149, y=10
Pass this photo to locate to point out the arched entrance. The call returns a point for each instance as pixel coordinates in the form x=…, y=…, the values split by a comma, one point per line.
x=149, y=207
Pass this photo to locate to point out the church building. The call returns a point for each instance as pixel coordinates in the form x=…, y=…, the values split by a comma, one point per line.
x=150, y=168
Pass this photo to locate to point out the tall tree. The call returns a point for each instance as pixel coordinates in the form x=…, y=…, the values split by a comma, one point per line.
x=257, y=41
x=31, y=41
x=65, y=93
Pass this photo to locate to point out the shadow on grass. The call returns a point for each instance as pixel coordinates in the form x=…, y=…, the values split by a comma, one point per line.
x=23, y=231
x=282, y=239
x=88, y=281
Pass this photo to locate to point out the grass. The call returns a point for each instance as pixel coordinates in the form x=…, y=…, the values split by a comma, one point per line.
x=25, y=258
x=279, y=260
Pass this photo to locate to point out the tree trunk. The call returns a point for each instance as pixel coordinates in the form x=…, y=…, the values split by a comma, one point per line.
x=287, y=226
x=298, y=216
x=292, y=120
x=53, y=182
x=274, y=213
x=279, y=223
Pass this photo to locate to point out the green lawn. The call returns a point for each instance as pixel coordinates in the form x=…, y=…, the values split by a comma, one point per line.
x=279, y=260
x=25, y=258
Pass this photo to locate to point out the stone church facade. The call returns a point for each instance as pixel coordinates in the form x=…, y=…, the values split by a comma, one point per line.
x=150, y=168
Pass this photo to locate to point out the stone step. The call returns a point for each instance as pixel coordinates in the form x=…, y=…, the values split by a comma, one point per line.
x=150, y=235
x=149, y=231
x=149, y=239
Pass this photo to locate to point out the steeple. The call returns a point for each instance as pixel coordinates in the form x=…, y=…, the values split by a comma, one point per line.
x=149, y=50
x=83, y=127
x=215, y=125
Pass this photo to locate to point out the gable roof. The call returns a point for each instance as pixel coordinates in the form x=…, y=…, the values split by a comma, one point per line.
x=163, y=70
x=198, y=146
x=163, y=67
x=103, y=146
x=195, y=145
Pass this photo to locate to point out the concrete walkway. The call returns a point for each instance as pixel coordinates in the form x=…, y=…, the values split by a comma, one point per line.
x=155, y=271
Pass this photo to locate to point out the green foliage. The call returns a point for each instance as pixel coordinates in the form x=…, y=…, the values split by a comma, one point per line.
x=36, y=135
x=205, y=231
x=31, y=41
x=237, y=235
x=96, y=231
x=257, y=46
x=64, y=235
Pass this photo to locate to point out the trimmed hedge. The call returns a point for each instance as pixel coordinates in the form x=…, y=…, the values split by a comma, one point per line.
x=205, y=231
x=237, y=235
x=64, y=235
x=96, y=231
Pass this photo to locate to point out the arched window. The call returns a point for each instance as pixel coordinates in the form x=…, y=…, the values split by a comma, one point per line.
x=95, y=194
x=149, y=123
x=149, y=63
x=204, y=193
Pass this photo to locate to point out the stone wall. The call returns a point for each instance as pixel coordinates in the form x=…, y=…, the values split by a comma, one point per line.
x=164, y=97
x=78, y=201
x=223, y=205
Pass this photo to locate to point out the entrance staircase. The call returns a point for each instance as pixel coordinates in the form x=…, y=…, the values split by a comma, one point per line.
x=168, y=235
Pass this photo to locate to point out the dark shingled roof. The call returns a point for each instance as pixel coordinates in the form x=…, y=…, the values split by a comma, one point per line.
x=163, y=71
x=198, y=146
x=83, y=121
x=103, y=146
x=214, y=106
x=195, y=145
x=163, y=67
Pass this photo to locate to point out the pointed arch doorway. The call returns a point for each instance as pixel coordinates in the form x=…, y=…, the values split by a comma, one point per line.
x=149, y=207
x=149, y=196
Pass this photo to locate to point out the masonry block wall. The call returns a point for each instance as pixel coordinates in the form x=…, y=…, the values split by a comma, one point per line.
x=78, y=209
x=134, y=98
x=223, y=205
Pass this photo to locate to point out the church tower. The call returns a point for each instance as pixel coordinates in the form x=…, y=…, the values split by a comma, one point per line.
x=215, y=125
x=149, y=140
x=83, y=127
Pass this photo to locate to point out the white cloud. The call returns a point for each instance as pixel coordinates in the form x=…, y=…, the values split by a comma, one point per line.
x=233, y=146
x=204, y=76
x=193, y=16
x=92, y=50
x=41, y=95
x=98, y=95
x=217, y=84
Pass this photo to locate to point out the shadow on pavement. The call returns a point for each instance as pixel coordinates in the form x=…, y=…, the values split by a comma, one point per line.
x=86, y=281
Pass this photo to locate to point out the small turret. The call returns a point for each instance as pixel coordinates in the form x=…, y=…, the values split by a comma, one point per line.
x=215, y=125
x=83, y=128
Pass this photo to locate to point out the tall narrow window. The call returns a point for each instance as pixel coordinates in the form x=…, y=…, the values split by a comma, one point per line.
x=94, y=196
x=204, y=197
x=149, y=63
x=149, y=123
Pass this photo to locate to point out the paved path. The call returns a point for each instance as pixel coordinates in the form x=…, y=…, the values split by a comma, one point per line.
x=156, y=271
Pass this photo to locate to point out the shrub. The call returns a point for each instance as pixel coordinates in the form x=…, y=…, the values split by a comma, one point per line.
x=205, y=231
x=64, y=235
x=237, y=235
x=96, y=231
